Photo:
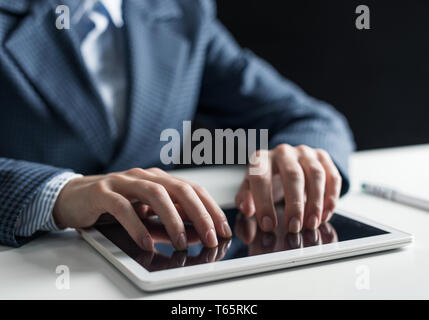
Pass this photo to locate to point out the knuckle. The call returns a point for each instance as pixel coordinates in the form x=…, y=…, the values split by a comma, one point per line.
x=337, y=179
x=113, y=175
x=331, y=203
x=100, y=187
x=155, y=170
x=183, y=188
x=118, y=177
x=135, y=171
x=303, y=148
x=322, y=153
x=316, y=207
x=283, y=149
x=200, y=189
x=316, y=172
x=206, y=217
x=157, y=189
x=294, y=175
x=295, y=206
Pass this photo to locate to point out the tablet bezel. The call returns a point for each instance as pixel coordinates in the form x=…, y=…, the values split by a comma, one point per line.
x=157, y=280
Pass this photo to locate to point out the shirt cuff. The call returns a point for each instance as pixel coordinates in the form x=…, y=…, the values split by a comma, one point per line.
x=37, y=216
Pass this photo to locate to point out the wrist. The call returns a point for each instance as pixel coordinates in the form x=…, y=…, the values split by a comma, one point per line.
x=59, y=206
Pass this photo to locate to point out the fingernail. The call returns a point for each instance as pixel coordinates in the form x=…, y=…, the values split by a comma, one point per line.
x=211, y=238
x=147, y=243
x=182, y=243
x=294, y=225
x=313, y=222
x=267, y=224
x=226, y=229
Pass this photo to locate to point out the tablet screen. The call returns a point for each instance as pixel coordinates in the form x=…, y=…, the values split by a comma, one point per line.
x=247, y=240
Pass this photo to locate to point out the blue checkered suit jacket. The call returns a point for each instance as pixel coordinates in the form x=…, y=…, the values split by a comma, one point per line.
x=182, y=65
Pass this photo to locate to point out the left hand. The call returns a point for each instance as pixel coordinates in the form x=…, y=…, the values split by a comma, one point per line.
x=307, y=178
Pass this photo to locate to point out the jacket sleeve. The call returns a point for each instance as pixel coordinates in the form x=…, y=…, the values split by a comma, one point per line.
x=20, y=181
x=240, y=90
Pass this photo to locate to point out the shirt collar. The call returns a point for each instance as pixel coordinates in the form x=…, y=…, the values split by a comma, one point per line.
x=114, y=7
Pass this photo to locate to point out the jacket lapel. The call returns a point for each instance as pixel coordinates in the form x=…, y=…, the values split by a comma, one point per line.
x=157, y=54
x=51, y=60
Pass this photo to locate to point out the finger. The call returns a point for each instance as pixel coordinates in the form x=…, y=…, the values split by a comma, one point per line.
x=314, y=186
x=157, y=197
x=333, y=184
x=196, y=211
x=278, y=191
x=244, y=200
x=159, y=234
x=261, y=188
x=143, y=210
x=185, y=195
x=218, y=216
x=124, y=212
x=293, y=181
x=182, y=212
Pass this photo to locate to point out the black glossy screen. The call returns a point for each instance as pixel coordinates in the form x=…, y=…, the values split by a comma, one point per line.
x=248, y=240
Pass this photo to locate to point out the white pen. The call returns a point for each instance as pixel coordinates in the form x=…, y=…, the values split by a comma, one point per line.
x=395, y=196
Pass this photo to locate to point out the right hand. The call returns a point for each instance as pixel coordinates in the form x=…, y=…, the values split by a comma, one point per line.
x=130, y=195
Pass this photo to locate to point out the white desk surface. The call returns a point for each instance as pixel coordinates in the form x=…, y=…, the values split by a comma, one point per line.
x=29, y=272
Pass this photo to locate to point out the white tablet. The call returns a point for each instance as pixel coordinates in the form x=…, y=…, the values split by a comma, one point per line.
x=249, y=251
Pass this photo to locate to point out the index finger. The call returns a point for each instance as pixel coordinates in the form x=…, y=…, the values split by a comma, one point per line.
x=261, y=189
x=292, y=177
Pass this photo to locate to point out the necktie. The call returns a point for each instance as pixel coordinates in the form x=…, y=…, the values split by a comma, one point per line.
x=103, y=52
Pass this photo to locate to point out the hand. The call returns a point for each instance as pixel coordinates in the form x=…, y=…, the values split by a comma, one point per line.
x=134, y=194
x=307, y=179
x=259, y=242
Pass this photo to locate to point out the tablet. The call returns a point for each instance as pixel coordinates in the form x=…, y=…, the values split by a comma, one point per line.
x=249, y=251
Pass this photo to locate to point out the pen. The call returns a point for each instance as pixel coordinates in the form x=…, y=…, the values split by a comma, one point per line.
x=396, y=196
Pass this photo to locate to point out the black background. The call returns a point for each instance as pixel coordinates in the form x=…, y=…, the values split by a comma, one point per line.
x=378, y=78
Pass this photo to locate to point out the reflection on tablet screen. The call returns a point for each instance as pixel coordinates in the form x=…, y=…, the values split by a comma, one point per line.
x=247, y=240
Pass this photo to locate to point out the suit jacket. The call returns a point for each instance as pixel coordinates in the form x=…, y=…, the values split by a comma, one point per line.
x=182, y=65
